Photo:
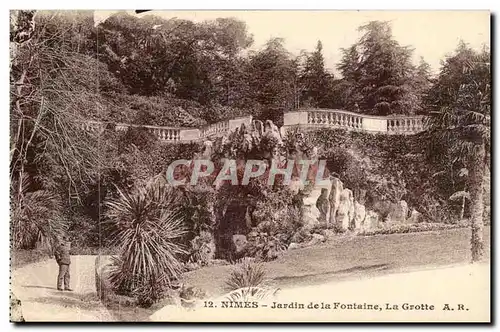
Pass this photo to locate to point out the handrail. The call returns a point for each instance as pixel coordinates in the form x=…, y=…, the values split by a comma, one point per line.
x=303, y=118
x=314, y=118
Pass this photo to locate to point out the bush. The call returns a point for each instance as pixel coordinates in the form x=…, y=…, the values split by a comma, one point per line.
x=264, y=247
x=247, y=274
x=277, y=215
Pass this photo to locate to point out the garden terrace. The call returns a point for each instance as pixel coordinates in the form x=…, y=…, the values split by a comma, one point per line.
x=309, y=119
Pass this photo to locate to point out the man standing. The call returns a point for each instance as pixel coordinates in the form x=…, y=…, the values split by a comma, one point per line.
x=63, y=259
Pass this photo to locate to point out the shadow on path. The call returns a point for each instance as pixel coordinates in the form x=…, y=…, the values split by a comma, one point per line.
x=87, y=301
x=310, y=278
x=41, y=287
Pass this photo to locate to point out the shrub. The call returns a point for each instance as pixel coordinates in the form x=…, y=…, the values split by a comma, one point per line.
x=147, y=228
x=251, y=294
x=35, y=216
x=277, y=215
x=266, y=248
x=247, y=274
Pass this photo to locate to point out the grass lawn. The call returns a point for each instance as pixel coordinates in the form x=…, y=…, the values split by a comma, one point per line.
x=353, y=257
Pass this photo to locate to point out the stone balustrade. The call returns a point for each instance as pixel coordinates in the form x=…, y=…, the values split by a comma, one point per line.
x=405, y=125
x=323, y=118
x=176, y=134
x=306, y=119
x=215, y=129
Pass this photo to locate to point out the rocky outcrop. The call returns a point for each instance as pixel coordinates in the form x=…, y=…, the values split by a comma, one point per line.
x=359, y=215
x=240, y=242
x=371, y=221
x=398, y=213
x=415, y=217
x=336, y=190
x=323, y=206
x=310, y=216
x=345, y=211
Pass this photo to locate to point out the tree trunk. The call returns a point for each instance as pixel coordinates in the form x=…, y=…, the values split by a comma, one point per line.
x=476, y=178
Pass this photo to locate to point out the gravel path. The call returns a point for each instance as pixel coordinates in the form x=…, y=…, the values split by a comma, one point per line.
x=35, y=286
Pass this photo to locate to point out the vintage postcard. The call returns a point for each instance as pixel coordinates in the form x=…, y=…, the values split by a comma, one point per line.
x=250, y=166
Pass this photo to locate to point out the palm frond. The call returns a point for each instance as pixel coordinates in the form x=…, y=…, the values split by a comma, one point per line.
x=247, y=274
x=147, y=229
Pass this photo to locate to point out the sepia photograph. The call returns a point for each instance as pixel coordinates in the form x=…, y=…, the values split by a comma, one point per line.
x=277, y=166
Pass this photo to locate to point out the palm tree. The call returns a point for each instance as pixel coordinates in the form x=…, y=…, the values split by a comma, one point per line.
x=460, y=115
x=35, y=217
x=147, y=228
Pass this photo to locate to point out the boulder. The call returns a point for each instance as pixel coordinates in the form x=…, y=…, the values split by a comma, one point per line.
x=415, y=217
x=302, y=235
x=310, y=217
x=398, y=213
x=371, y=221
x=293, y=246
x=327, y=233
x=316, y=239
x=296, y=185
x=323, y=206
x=310, y=212
x=359, y=215
x=240, y=243
x=337, y=188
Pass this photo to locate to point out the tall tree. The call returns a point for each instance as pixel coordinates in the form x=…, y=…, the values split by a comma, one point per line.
x=378, y=73
x=422, y=82
x=460, y=102
x=315, y=80
x=274, y=77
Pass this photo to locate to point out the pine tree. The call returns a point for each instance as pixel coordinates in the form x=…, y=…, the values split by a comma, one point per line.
x=315, y=80
x=378, y=73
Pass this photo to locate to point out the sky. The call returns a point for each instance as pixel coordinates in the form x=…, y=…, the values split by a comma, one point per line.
x=432, y=34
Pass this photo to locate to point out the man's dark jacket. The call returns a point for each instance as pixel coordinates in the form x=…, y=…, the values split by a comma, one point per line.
x=62, y=254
